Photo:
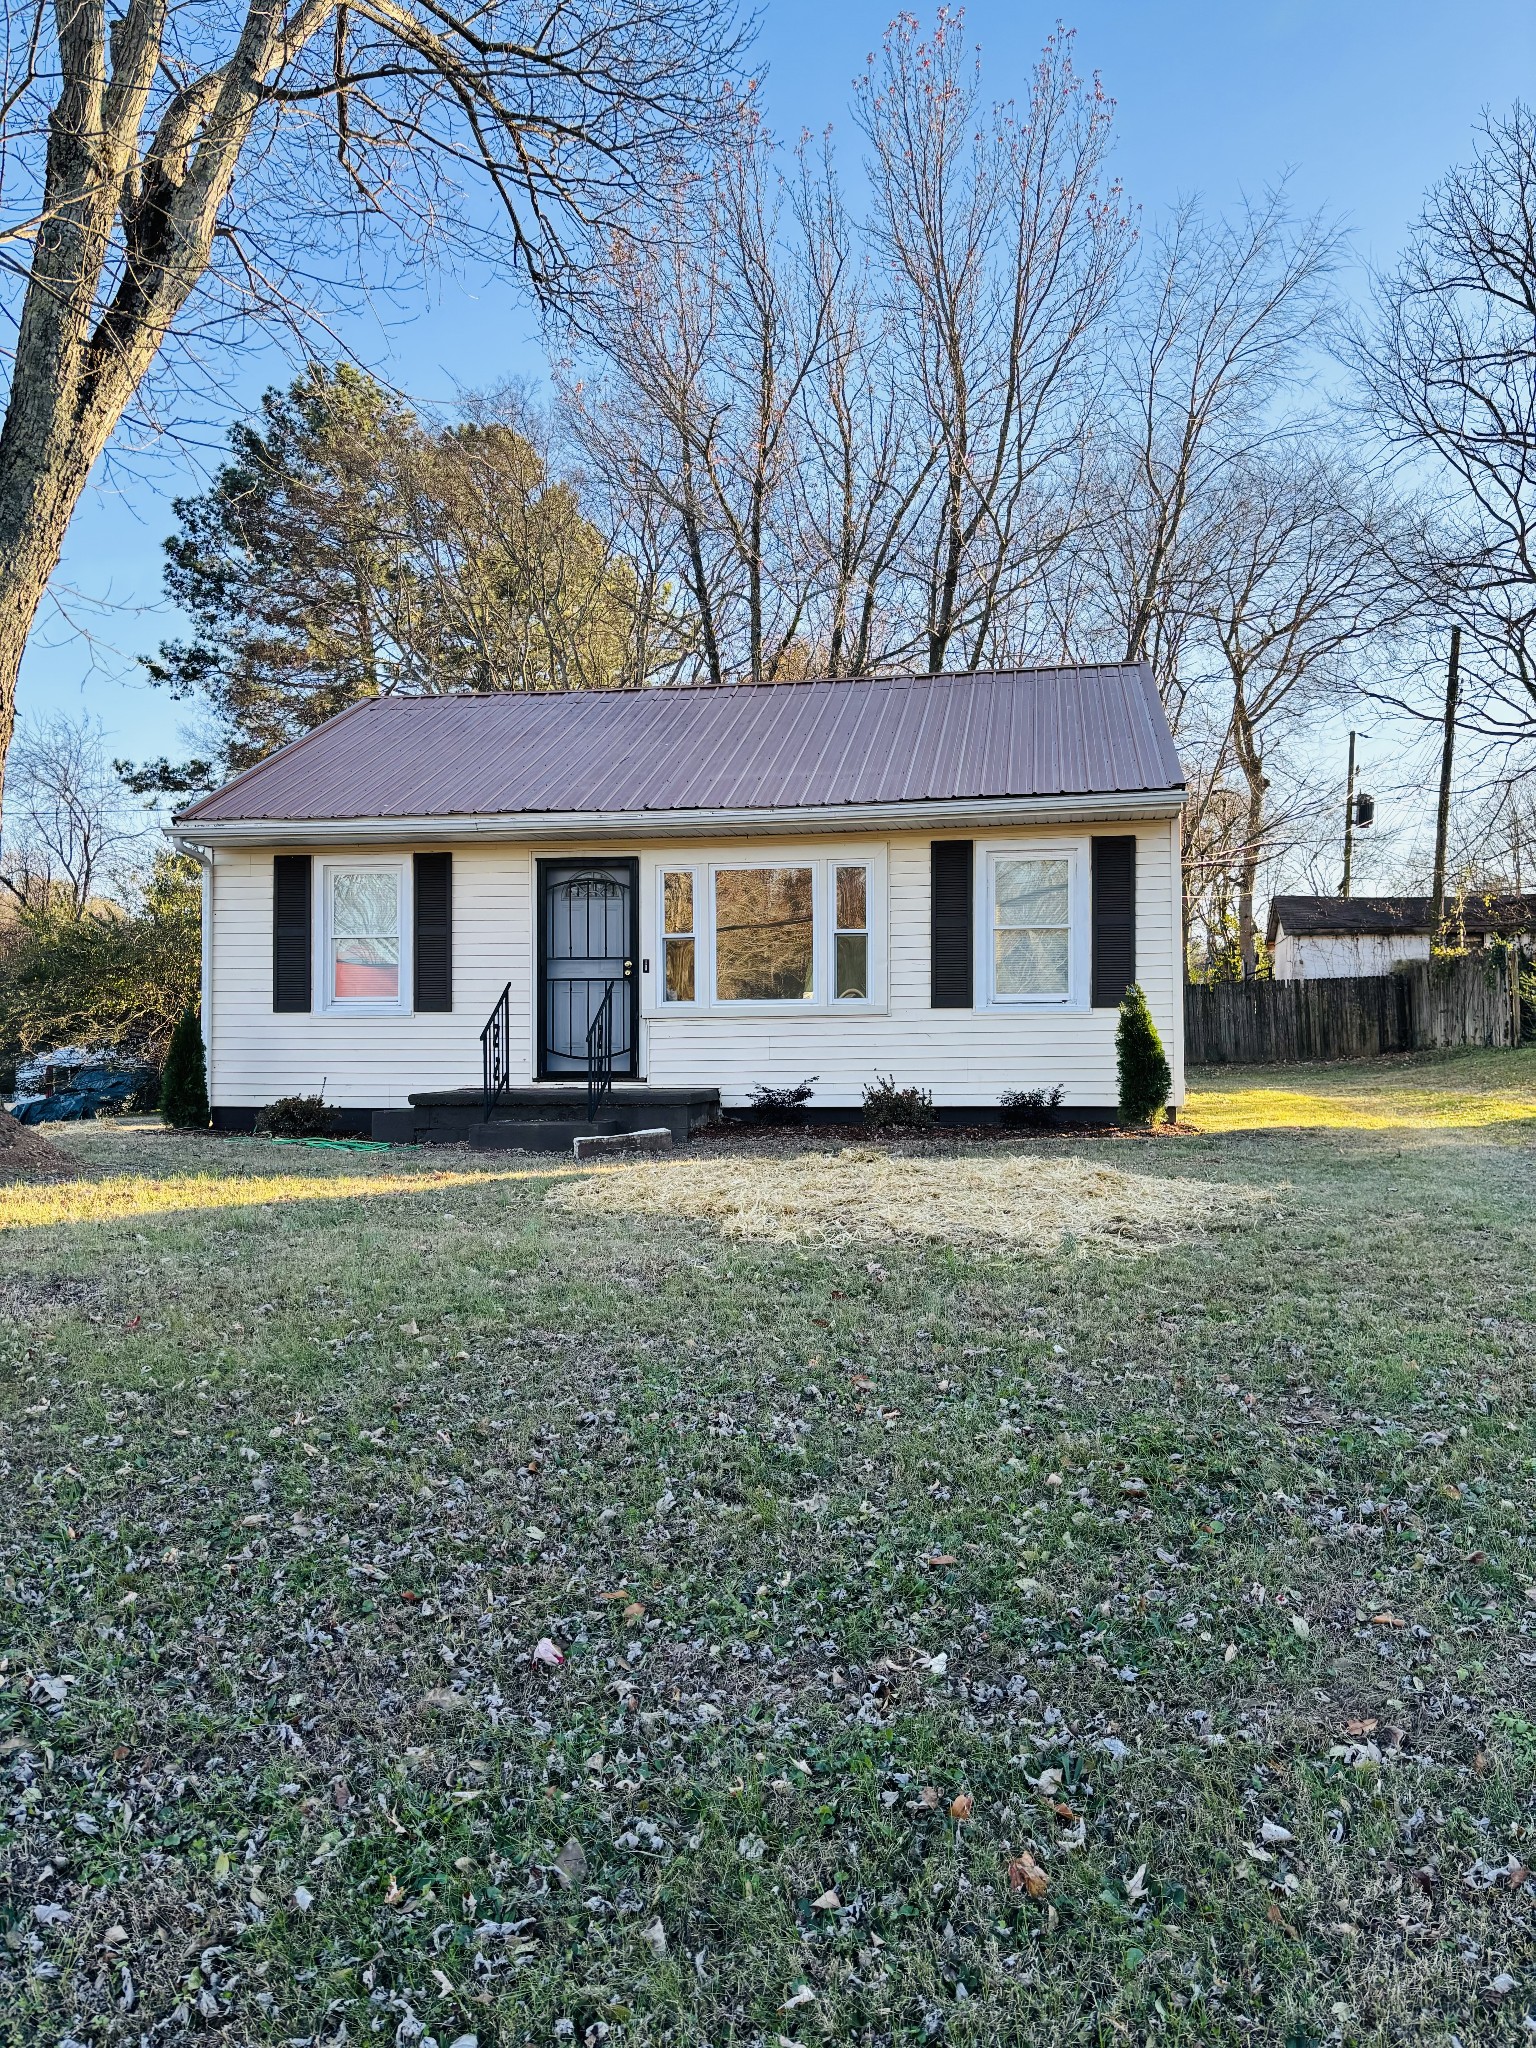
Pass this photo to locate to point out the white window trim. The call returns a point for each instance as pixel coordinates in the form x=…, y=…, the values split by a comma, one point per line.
x=659, y=1005
x=1079, y=929
x=329, y=1005
x=823, y=864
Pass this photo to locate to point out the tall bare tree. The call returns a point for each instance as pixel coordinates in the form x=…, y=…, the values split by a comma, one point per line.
x=167, y=168
x=1003, y=240
x=1298, y=586
x=70, y=835
x=709, y=325
x=1214, y=330
x=1449, y=372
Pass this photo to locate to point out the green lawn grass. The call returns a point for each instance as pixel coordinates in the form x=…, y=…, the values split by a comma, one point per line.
x=1074, y=1646
x=1438, y=1091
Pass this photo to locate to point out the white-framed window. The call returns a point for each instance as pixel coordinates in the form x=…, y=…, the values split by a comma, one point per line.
x=791, y=932
x=679, y=936
x=1031, y=925
x=363, y=937
x=850, y=933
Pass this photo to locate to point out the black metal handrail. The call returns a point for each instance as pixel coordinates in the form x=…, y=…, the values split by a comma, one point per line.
x=600, y=1055
x=496, y=1051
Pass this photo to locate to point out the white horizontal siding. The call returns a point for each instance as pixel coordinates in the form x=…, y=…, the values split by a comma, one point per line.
x=963, y=1056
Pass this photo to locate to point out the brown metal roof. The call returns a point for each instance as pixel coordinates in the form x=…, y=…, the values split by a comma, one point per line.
x=912, y=739
x=1339, y=917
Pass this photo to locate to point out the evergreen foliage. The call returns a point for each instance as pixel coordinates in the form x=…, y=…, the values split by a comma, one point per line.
x=184, y=1084
x=1145, y=1076
x=118, y=974
x=350, y=549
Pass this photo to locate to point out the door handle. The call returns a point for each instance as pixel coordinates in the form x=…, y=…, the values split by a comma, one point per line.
x=629, y=968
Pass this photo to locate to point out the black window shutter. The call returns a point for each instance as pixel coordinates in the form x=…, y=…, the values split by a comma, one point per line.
x=1114, y=920
x=951, y=940
x=292, y=898
x=433, y=950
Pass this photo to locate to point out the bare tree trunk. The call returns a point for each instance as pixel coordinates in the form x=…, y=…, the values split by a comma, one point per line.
x=1250, y=761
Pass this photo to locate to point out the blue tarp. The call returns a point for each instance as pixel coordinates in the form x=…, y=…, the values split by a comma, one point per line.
x=90, y=1090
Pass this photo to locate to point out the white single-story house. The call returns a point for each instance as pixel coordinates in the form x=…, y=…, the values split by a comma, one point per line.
x=1320, y=938
x=458, y=913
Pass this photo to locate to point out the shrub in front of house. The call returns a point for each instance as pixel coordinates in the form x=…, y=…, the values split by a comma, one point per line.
x=296, y=1116
x=889, y=1108
x=1145, y=1076
x=184, y=1082
x=1031, y=1109
x=780, y=1105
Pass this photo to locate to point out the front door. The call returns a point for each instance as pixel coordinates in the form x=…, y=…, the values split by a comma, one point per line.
x=587, y=936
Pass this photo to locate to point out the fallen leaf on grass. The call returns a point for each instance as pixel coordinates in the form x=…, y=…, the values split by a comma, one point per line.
x=1025, y=1875
x=804, y=1996
x=1299, y=1624
x=829, y=1902
x=570, y=1866
x=961, y=1806
x=546, y=1653
x=1136, y=1884
x=1271, y=1831
x=654, y=1935
x=1388, y=1621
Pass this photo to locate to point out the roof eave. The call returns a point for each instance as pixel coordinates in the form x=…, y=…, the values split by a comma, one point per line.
x=979, y=812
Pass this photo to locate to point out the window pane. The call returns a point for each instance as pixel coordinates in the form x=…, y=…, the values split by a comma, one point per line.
x=764, y=935
x=366, y=970
x=677, y=902
x=851, y=967
x=1031, y=892
x=365, y=903
x=677, y=984
x=1031, y=963
x=852, y=915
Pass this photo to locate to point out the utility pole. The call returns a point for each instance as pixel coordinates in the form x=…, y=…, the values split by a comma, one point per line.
x=1349, y=819
x=1447, y=755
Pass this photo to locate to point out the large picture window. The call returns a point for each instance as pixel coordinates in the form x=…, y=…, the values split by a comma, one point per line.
x=1031, y=929
x=765, y=935
x=363, y=920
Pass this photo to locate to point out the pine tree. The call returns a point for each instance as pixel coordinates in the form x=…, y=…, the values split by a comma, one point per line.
x=184, y=1083
x=1145, y=1076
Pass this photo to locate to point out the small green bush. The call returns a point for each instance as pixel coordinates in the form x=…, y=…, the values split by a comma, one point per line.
x=296, y=1116
x=1145, y=1076
x=889, y=1108
x=184, y=1083
x=780, y=1105
x=1030, y=1109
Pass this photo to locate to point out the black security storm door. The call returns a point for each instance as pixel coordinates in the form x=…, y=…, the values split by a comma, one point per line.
x=587, y=944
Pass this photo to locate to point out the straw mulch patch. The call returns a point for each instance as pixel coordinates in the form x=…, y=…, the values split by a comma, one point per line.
x=24, y=1155
x=979, y=1202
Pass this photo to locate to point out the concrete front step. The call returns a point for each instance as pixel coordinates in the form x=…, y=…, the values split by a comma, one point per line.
x=544, y=1118
x=543, y=1136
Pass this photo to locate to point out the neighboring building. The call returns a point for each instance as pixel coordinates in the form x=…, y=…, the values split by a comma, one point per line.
x=949, y=879
x=1316, y=938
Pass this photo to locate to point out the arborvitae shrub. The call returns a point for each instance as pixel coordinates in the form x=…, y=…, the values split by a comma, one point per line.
x=1145, y=1076
x=184, y=1081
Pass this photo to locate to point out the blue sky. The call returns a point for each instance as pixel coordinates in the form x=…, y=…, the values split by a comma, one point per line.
x=1364, y=103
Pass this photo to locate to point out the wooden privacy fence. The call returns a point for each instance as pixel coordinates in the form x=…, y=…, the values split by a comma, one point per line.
x=1422, y=1004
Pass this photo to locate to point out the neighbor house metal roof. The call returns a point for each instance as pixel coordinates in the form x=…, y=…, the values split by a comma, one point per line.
x=1030, y=733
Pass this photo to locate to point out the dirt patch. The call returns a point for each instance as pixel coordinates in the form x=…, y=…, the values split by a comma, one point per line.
x=25, y=1155
x=873, y=1195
